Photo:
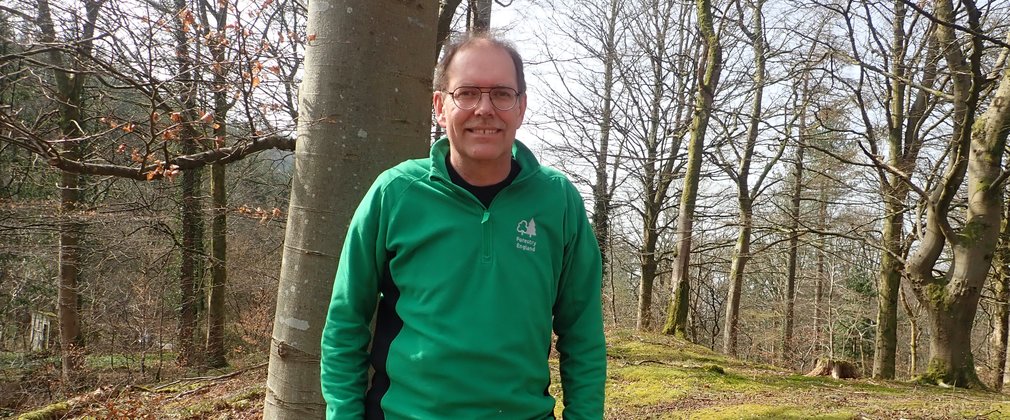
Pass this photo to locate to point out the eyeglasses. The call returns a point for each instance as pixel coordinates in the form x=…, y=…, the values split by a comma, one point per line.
x=467, y=97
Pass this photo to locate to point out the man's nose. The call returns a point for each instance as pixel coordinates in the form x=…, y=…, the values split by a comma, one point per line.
x=484, y=106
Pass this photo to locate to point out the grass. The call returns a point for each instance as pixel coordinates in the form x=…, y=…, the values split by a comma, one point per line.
x=658, y=377
x=649, y=377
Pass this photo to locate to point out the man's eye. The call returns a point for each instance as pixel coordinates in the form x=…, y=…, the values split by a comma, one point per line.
x=502, y=94
x=467, y=93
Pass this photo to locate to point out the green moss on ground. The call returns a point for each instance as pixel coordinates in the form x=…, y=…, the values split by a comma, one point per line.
x=49, y=412
x=660, y=377
x=759, y=411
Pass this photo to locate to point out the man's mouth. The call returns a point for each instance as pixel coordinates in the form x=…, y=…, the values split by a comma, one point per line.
x=483, y=130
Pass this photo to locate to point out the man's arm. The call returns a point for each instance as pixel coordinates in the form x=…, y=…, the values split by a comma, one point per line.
x=578, y=317
x=344, y=348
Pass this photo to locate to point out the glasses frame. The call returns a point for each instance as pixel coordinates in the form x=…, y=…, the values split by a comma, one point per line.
x=452, y=93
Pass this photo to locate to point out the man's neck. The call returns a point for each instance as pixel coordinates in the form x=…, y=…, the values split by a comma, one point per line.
x=483, y=173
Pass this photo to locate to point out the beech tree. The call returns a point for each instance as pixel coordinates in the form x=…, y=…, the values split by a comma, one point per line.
x=364, y=106
x=950, y=292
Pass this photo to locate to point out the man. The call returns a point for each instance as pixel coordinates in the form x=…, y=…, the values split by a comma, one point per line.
x=468, y=259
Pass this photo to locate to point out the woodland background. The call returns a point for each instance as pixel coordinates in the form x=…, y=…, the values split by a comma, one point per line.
x=778, y=180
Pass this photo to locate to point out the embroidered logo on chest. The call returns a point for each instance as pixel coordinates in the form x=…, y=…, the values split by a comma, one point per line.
x=526, y=239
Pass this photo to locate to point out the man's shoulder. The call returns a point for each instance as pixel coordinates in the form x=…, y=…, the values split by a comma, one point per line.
x=551, y=175
x=407, y=172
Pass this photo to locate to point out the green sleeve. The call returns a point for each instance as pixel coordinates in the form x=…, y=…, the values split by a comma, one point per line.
x=578, y=317
x=344, y=348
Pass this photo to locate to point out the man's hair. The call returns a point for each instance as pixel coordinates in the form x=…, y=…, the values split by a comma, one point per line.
x=467, y=40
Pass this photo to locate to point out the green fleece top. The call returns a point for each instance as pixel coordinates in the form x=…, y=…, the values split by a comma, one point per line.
x=465, y=299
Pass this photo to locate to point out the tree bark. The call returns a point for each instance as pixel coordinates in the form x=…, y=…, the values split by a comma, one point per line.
x=191, y=266
x=793, y=253
x=977, y=147
x=822, y=223
x=70, y=95
x=347, y=134
x=479, y=15
x=913, y=333
x=446, y=11
x=745, y=197
x=218, y=270
x=708, y=81
x=216, y=316
x=601, y=188
x=1001, y=304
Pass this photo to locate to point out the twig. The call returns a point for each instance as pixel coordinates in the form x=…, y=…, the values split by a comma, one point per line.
x=209, y=378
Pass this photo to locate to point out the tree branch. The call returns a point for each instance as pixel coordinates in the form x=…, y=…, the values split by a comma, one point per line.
x=964, y=29
x=193, y=161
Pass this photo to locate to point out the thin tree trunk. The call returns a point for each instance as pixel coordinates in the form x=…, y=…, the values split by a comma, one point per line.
x=648, y=267
x=446, y=11
x=601, y=188
x=745, y=197
x=653, y=184
x=216, y=317
x=70, y=89
x=913, y=333
x=822, y=217
x=219, y=270
x=708, y=81
x=479, y=14
x=794, y=244
x=190, y=267
x=893, y=192
x=336, y=159
x=1001, y=301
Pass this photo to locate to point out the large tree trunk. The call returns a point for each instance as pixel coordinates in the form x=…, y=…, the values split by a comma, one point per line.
x=347, y=134
x=708, y=81
x=977, y=146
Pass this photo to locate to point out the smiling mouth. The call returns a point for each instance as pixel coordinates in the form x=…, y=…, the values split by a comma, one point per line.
x=483, y=130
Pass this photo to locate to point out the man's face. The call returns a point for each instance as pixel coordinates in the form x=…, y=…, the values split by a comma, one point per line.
x=483, y=135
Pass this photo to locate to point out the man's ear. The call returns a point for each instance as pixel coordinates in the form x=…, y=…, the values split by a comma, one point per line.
x=438, y=103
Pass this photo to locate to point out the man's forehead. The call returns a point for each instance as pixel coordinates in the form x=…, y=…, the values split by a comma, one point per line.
x=454, y=66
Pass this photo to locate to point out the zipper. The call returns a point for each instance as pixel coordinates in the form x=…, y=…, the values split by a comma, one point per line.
x=485, y=222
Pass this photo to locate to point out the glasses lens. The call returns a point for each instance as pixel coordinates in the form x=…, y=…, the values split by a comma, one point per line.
x=466, y=97
x=503, y=98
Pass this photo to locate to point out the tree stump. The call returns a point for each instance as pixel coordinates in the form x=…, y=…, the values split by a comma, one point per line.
x=838, y=369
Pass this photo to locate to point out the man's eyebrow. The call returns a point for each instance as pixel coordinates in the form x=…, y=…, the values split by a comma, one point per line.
x=467, y=84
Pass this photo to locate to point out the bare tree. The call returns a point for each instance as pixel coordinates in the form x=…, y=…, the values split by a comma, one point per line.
x=708, y=80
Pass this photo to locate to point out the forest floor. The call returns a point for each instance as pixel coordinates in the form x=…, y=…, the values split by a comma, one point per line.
x=650, y=377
